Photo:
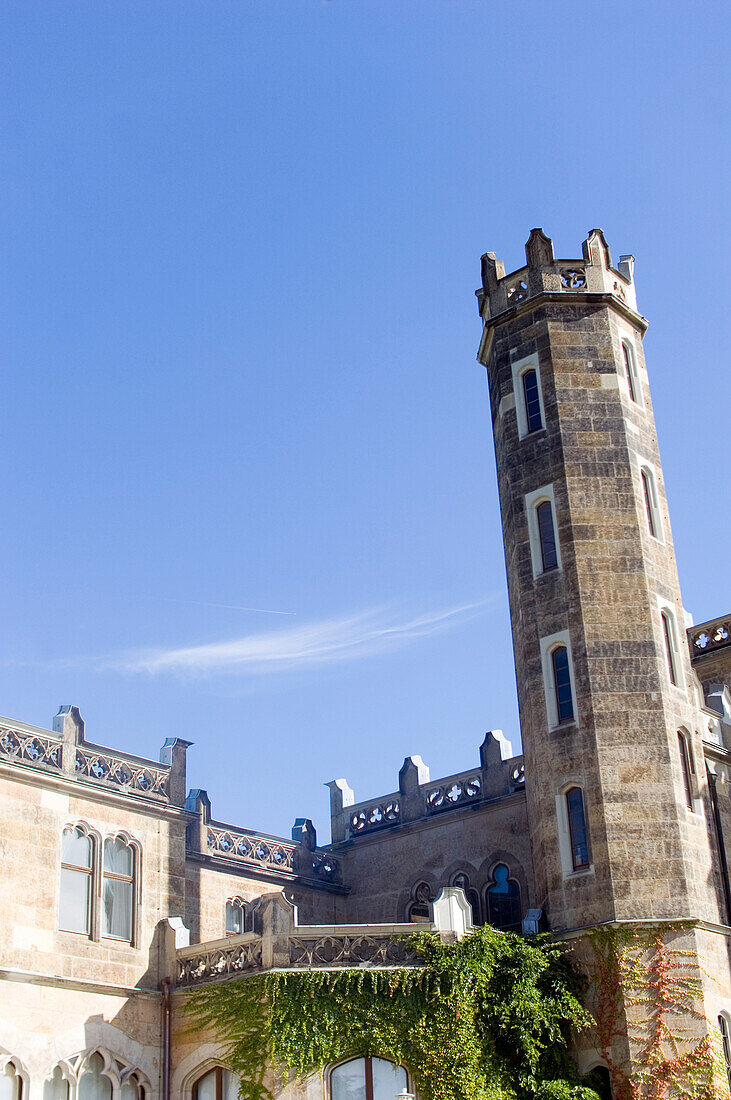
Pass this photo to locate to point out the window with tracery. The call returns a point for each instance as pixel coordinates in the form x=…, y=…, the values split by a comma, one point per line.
x=56, y=1087
x=236, y=917
x=419, y=910
x=367, y=1079
x=217, y=1084
x=503, y=900
x=77, y=871
x=11, y=1083
x=94, y=1083
x=118, y=889
x=462, y=880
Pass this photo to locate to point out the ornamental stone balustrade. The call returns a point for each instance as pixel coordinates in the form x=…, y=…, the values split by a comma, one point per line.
x=499, y=775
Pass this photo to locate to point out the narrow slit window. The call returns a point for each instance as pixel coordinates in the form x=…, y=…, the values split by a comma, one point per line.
x=533, y=417
x=650, y=498
x=725, y=1046
x=577, y=829
x=77, y=855
x=631, y=371
x=669, y=640
x=547, y=536
x=562, y=684
x=118, y=889
x=685, y=769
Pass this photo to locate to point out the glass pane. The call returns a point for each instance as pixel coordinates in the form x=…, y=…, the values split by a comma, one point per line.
x=532, y=401
x=347, y=1082
x=117, y=909
x=206, y=1087
x=388, y=1079
x=93, y=1084
x=117, y=857
x=504, y=899
x=56, y=1088
x=74, y=908
x=547, y=536
x=234, y=918
x=562, y=679
x=577, y=827
x=230, y=1086
x=9, y=1083
x=76, y=848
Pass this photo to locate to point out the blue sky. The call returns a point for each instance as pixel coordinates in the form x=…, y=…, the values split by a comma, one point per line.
x=241, y=242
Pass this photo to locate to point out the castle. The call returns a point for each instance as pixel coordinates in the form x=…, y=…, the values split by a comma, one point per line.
x=123, y=892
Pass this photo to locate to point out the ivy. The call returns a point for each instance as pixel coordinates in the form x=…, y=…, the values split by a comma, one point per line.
x=487, y=1018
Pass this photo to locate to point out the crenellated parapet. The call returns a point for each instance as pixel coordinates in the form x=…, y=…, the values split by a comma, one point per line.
x=499, y=775
x=543, y=275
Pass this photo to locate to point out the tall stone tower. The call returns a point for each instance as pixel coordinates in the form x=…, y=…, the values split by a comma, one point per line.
x=609, y=714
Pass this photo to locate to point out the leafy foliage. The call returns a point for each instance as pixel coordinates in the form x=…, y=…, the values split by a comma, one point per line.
x=487, y=1018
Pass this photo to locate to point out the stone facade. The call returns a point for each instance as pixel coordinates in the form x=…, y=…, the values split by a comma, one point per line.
x=607, y=680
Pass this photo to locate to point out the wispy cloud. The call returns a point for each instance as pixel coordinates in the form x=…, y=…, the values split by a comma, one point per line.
x=312, y=644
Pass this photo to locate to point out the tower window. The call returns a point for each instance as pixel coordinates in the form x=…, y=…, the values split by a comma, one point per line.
x=630, y=367
x=77, y=857
x=547, y=536
x=118, y=889
x=685, y=769
x=562, y=684
x=668, y=633
x=649, y=493
x=577, y=829
x=533, y=417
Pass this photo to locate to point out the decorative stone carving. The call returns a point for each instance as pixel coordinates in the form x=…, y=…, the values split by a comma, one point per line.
x=30, y=748
x=346, y=950
x=120, y=771
x=573, y=278
x=219, y=962
x=453, y=793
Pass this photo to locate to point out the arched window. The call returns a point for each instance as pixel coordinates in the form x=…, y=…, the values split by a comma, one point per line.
x=217, y=1084
x=419, y=911
x=56, y=1087
x=462, y=880
x=649, y=494
x=93, y=1083
x=547, y=536
x=725, y=1046
x=601, y=1082
x=367, y=1079
x=118, y=889
x=630, y=367
x=532, y=401
x=685, y=768
x=11, y=1083
x=671, y=649
x=503, y=900
x=578, y=835
x=562, y=684
x=236, y=917
x=132, y=1089
x=77, y=869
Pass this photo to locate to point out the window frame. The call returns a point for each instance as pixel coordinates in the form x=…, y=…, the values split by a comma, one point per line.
x=368, y=1059
x=631, y=371
x=489, y=889
x=549, y=645
x=533, y=501
x=236, y=902
x=219, y=1072
x=575, y=845
x=650, y=501
x=723, y=1027
x=519, y=369
x=96, y=896
x=91, y=873
x=115, y=877
x=670, y=647
x=565, y=831
x=687, y=769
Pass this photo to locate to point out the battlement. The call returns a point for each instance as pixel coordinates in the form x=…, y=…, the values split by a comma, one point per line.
x=419, y=798
x=543, y=274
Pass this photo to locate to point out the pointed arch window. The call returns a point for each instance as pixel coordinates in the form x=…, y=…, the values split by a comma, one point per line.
x=503, y=900
x=562, y=683
x=118, y=881
x=578, y=835
x=56, y=1087
x=367, y=1079
x=77, y=871
x=217, y=1084
x=462, y=880
x=11, y=1083
x=419, y=910
x=237, y=917
x=685, y=768
x=94, y=1083
x=132, y=1089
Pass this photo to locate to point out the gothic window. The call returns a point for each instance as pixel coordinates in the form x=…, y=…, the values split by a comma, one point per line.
x=725, y=1046
x=601, y=1082
x=118, y=889
x=56, y=1087
x=649, y=495
x=578, y=835
x=217, y=1084
x=77, y=869
x=419, y=910
x=562, y=684
x=503, y=900
x=630, y=367
x=462, y=880
x=683, y=750
x=532, y=400
x=93, y=1083
x=547, y=536
x=671, y=654
x=367, y=1079
x=236, y=917
x=132, y=1089
x=11, y=1084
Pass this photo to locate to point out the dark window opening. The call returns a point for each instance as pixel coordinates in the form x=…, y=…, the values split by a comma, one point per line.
x=562, y=684
x=683, y=749
x=669, y=648
x=577, y=829
x=547, y=536
x=503, y=901
x=532, y=401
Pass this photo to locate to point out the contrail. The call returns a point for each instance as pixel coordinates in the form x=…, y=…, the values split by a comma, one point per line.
x=230, y=606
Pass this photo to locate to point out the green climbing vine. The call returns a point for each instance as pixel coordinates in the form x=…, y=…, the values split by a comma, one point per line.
x=487, y=1018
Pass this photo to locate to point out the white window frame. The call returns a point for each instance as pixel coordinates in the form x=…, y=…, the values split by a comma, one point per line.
x=648, y=468
x=548, y=644
x=544, y=495
x=564, y=830
x=519, y=368
x=667, y=611
x=627, y=337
